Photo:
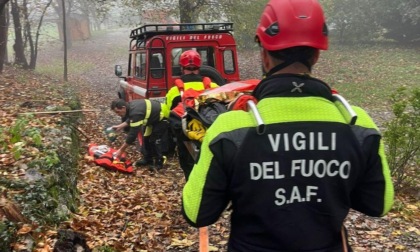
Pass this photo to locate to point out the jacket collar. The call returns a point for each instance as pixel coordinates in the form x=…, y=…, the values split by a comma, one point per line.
x=191, y=78
x=291, y=85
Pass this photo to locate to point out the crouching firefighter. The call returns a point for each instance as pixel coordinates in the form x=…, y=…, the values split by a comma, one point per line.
x=146, y=121
x=191, y=80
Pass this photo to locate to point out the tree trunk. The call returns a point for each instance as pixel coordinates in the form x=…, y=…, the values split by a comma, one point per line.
x=65, y=40
x=61, y=10
x=186, y=10
x=27, y=30
x=4, y=25
x=3, y=4
x=34, y=52
x=18, y=47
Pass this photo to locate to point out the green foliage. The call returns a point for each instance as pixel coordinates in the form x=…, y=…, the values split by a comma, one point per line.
x=104, y=249
x=351, y=21
x=49, y=190
x=51, y=159
x=400, y=19
x=20, y=135
x=48, y=34
x=244, y=21
x=17, y=150
x=3, y=139
x=7, y=231
x=74, y=104
x=38, y=204
x=17, y=129
x=354, y=21
x=402, y=138
x=35, y=134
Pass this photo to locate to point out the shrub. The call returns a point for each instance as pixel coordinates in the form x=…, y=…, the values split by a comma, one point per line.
x=7, y=230
x=402, y=138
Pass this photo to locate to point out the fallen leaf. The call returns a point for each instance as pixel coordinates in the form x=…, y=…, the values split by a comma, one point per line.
x=412, y=207
x=24, y=230
x=212, y=248
x=374, y=232
x=399, y=247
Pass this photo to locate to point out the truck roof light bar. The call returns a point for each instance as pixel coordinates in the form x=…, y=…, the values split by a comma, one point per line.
x=148, y=30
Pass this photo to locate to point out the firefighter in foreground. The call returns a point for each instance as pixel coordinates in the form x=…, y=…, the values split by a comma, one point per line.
x=291, y=185
x=147, y=118
x=190, y=62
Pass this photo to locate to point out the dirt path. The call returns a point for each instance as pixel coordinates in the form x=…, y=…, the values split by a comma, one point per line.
x=142, y=212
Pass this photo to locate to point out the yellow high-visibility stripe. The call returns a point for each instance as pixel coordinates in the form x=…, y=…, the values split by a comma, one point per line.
x=146, y=117
x=163, y=113
x=148, y=131
x=136, y=123
x=148, y=110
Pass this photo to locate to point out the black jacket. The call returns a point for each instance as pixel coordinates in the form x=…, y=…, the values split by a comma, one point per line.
x=137, y=113
x=292, y=185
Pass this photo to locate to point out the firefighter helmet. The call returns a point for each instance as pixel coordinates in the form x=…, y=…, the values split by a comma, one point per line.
x=190, y=58
x=290, y=23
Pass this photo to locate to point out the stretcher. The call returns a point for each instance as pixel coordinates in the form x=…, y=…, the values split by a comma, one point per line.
x=206, y=106
x=103, y=155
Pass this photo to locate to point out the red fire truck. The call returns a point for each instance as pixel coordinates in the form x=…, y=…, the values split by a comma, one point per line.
x=154, y=52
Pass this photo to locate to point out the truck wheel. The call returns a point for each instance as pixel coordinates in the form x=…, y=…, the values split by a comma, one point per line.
x=213, y=74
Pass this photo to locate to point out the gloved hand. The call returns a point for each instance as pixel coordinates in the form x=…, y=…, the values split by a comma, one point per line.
x=196, y=135
x=117, y=154
x=195, y=130
x=110, y=133
x=120, y=126
x=195, y=125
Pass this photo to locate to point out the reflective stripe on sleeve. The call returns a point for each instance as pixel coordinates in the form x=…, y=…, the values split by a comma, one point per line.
x=146, y=117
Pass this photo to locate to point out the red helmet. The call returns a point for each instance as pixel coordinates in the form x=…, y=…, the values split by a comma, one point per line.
x=290, y=23
x=190, y=58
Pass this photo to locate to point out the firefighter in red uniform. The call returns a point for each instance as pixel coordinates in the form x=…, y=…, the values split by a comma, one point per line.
x=292, y=180
x=190, y=62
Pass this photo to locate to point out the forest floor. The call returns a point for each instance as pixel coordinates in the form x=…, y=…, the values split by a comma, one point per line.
x=141, y=211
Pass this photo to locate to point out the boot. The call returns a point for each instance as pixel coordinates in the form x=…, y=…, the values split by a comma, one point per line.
x=143, y=162
x=159, y=163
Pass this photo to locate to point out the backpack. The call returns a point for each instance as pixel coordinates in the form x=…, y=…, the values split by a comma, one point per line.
x=202, y=109
x=188, y=102
x=207, y=112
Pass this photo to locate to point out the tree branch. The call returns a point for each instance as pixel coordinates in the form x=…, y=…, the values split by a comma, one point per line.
x=59, y=112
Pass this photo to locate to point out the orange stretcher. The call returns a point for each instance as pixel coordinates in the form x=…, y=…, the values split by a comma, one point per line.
x=103, y=156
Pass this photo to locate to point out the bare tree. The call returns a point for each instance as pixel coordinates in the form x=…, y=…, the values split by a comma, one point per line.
x=4, y=25
x=64, y=39
x=18, y=46
x=97, y=11
x=186, y=11
x=3, y=4
x=24, y=39
x=62, y=9
x=190, y=10
x=34, y=51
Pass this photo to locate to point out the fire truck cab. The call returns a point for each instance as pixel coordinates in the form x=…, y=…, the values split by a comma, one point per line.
x=154, y=52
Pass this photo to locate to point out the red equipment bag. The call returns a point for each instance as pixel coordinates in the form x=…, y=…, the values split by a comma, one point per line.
x=103, y=156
